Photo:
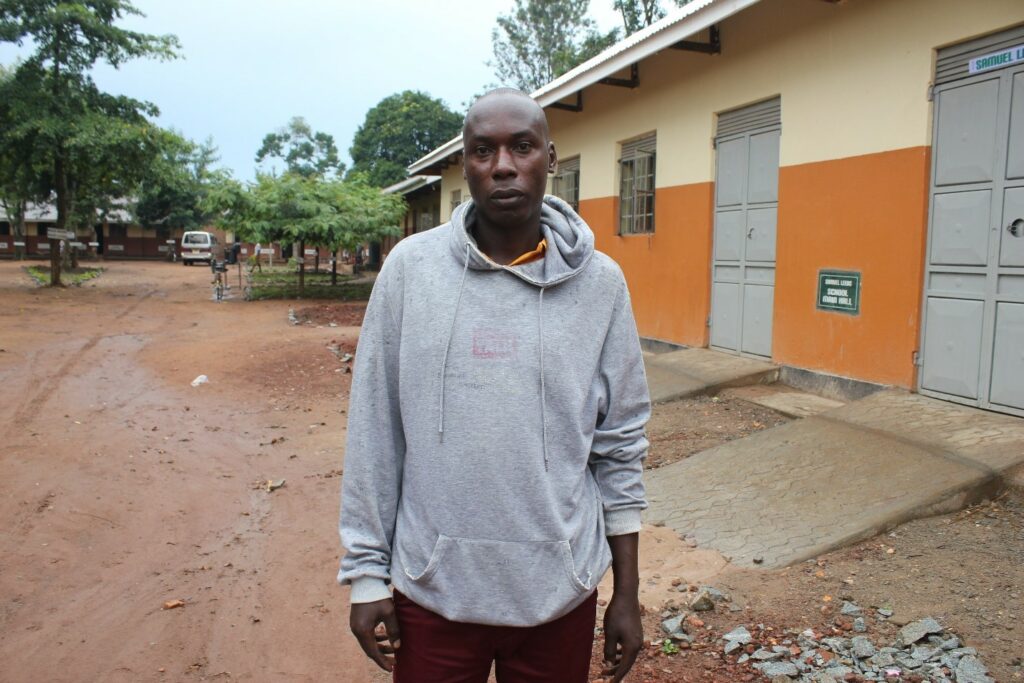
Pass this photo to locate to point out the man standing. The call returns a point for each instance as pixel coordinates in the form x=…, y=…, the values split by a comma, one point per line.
x=496, y=433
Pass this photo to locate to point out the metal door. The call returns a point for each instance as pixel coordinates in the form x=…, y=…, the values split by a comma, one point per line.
x=746, y=208
x=972, y=348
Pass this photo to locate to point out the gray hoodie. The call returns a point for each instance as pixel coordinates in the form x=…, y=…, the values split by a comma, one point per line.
x=496, y=426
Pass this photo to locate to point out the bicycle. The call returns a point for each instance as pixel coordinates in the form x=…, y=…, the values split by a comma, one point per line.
x=220, y=271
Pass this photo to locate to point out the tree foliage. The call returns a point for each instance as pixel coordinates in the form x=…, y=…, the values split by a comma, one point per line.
x=639, y=14
x=305, y=152
x=542, y=39
x=174, y=184
x=93, y=144
x=400, y=129
x=291, y=208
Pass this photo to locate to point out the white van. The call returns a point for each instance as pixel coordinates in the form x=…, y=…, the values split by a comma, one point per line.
x=197, y=245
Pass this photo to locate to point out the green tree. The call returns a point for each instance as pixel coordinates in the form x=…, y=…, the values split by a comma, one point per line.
x=542, y=39
x=306, y=211
x=638, y=14
x=22, y=172
x=400, y=129
x=175, y=183
x=70, y=122
x=305, y=152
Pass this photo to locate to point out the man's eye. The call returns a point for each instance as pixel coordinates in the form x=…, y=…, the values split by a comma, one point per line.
x=482, y=151
x=523, y=147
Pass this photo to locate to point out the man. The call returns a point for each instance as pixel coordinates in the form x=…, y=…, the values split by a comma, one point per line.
x=496, y=433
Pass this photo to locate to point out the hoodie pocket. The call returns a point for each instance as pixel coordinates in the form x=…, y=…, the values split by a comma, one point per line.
x=467, y=574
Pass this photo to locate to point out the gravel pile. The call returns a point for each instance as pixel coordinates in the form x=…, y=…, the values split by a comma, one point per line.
x=923, y=652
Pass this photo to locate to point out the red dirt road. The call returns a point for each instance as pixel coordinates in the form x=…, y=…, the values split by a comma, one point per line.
x=122, y=487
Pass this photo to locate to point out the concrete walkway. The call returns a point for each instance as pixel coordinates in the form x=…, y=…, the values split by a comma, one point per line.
x=793, y=492
x=690, y=372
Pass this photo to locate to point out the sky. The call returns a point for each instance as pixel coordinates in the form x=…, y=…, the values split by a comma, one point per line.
x=248, y=66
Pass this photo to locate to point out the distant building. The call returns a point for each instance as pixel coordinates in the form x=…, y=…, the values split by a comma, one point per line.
x=422, y=194
x=835, y=186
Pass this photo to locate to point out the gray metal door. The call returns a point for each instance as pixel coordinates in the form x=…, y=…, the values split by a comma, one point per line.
x=746, y=209
x=972, y=348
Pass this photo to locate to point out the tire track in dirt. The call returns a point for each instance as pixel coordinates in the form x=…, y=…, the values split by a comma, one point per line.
x=49, y=385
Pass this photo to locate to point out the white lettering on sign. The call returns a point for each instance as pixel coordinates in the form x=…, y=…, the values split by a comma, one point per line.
x=115, y=247
x=310, y=252
x=94, y=244
x=996, y=60
x=162, y=248
x=3, y=245
x=19, y=244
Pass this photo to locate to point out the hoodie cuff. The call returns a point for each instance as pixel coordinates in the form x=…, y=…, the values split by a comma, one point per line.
x=621, y=522
x=368, y=589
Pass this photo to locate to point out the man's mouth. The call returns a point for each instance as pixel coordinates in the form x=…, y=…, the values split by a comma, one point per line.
x=506, y=197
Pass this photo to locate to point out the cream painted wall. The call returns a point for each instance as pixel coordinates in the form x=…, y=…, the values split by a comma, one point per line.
x=137, y=231
x=853, y=78
x=451, y=179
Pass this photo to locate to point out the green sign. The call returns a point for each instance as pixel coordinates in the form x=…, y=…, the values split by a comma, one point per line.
x=839, y=290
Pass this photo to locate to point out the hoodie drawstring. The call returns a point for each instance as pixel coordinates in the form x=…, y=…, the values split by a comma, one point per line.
x=543, y=394
x=448, y=345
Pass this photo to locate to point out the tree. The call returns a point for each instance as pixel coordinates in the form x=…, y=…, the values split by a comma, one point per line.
x=304, y=210
x=21, y=169
x=542, y=39
x=638, y=14
x=400, y=129
x=305, y=152
x=175, y=183
x=70, y=122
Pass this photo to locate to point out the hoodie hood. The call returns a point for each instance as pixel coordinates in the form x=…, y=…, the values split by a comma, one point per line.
x=570, y=244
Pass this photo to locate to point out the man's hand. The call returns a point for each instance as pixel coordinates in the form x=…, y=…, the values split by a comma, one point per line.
x=623, y=637
x=378, y=645
x=623, y=630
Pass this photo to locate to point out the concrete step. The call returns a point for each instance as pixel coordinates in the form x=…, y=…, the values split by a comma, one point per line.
x=692, y=372
x=813, y=485
x=783, y=399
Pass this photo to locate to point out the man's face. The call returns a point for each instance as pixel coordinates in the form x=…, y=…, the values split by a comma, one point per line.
x=507, y=156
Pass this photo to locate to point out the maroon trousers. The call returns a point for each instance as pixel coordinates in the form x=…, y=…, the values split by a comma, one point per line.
x=436, y=650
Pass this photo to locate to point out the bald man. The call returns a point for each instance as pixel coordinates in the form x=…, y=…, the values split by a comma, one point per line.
x=496, y=437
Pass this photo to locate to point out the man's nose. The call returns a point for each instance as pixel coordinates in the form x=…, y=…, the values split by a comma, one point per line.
x=504, y=164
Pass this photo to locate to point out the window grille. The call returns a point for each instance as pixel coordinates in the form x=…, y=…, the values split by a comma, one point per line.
x=566, y=183
x=636, y=186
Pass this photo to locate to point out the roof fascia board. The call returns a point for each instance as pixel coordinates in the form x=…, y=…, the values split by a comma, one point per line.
x=588, y=74
x=603, y=65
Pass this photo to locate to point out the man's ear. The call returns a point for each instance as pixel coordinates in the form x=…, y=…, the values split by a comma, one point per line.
x=552, y=158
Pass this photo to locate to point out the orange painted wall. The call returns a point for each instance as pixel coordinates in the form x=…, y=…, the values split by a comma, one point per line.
x=869, y=214
x=668, y=272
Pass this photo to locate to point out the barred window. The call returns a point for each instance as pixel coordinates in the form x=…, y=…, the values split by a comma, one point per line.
x=566, y=183
x=636, y=186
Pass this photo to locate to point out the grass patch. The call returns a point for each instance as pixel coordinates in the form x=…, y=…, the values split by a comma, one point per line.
x=356, y=291
x=288, y=276
x=75, y=277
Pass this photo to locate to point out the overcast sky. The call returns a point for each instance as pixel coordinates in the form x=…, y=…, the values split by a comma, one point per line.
x=248, y=66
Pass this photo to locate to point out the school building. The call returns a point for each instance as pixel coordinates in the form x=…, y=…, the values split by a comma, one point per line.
x=835, y=186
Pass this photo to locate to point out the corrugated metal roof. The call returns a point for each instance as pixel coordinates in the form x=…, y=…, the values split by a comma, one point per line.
x=409, y=184
x=677, y=25
x=36, y=213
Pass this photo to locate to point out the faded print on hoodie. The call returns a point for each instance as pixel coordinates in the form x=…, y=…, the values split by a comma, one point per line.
x=496, y=426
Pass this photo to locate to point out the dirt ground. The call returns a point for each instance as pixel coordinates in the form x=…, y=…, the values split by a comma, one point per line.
x=125, y=488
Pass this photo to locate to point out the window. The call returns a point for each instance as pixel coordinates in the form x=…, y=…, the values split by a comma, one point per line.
x=5, y=228
x=456, y=199
x=636, y=186
x=566, y=183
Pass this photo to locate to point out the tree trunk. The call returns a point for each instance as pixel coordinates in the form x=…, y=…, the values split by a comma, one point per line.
x=302, y=267
x=334, y=268
x=19, y=230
